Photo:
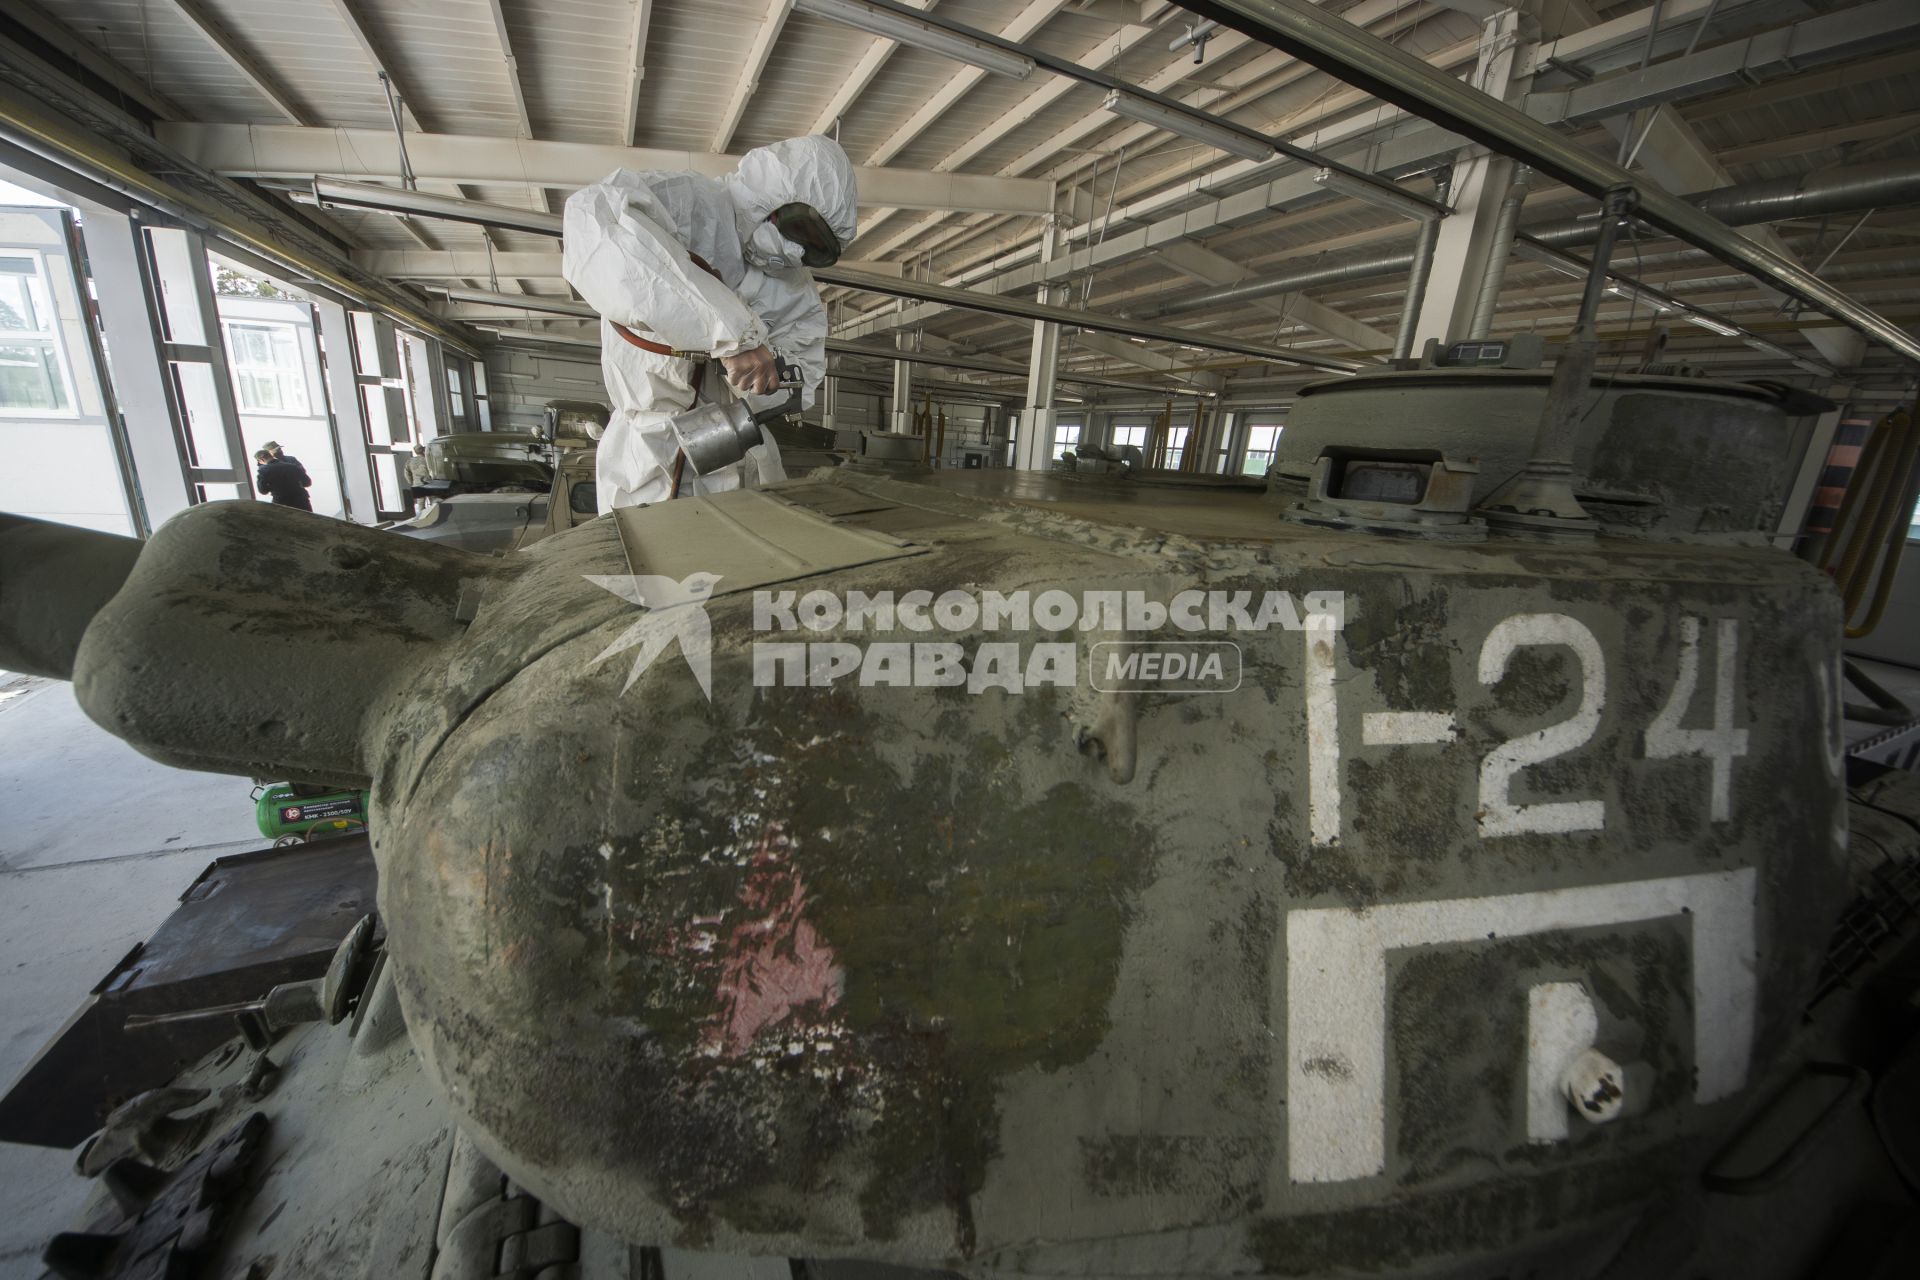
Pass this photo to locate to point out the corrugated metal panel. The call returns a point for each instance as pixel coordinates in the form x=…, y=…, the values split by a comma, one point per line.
x=446, y=55
x=573, y=66
x=165, y=51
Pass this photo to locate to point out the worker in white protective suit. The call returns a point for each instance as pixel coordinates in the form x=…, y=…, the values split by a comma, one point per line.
x=678, y=263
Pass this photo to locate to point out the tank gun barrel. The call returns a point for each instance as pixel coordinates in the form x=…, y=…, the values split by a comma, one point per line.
x=53, y=579
x=240, y=638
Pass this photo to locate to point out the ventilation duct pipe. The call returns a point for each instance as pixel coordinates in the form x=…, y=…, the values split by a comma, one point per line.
x=1856, y=188
x=1499, y=253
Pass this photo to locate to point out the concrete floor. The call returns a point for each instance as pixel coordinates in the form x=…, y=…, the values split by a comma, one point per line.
x=96, y=844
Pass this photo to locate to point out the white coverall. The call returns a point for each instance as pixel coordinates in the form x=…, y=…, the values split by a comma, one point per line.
x=626, y=249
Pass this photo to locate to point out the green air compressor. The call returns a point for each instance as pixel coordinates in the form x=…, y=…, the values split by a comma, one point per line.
x=289, y=812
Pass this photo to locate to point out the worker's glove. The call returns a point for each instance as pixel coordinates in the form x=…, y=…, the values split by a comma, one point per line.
x=755, y=372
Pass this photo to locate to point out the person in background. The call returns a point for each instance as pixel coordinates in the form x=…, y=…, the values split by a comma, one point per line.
x=281, y=455
x=283, y=479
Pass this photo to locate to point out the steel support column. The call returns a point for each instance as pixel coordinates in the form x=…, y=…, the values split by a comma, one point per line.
x=1037, y=416
x=142, y=383
x=1464, y=246
x=189, y=318
x=900, y=415
x=349, y=420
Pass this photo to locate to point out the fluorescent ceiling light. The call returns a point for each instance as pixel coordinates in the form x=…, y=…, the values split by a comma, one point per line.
x=335, y=193
x=919, y=34
x=1216, y=136
x=1381, y=195
x=536, y=335
x=1712, y=326
x=519, y=301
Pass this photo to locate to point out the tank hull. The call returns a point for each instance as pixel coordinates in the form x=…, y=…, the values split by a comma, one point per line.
x=1262, y=978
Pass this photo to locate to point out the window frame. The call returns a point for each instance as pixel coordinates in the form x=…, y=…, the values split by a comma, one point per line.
x=238, y=368
x=1271, y=452
x=50, y=338
x=1063, y=441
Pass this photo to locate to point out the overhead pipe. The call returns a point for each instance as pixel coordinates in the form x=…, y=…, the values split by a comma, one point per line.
x=1427, y=216
x=1499, y=253
x=1099, y=322
x=1375, y=66
x=1885, y=184
x=1423, y=245
x=977, y=364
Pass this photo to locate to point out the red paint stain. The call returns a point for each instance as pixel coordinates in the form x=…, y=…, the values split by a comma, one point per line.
x=773, y=961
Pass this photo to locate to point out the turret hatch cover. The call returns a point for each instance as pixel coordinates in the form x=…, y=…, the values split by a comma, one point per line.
x=747, y=539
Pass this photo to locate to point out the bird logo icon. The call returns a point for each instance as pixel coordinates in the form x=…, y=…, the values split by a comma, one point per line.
x=675, y=610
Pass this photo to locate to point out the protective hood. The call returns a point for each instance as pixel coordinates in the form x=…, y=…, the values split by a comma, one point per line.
x=812, y=170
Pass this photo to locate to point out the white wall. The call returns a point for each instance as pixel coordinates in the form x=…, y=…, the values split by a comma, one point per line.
x=60, y=465
x=308, y=436
x=519, y=384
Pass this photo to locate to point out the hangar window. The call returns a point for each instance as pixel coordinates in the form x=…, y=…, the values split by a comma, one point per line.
x=1176, y=448
x=1263, y=442
x=33, y=378
x=268, y=374
x=1066, y=435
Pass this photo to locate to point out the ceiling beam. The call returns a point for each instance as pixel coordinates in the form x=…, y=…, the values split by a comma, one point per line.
x=63, y=40
x=748, y=83
x=1265, y=74
x=1108, y=50
x=351, y=21
x=1785, y=51
x=636, y=67
x=1146, y=357
x=856, y=81
x=1211, y=268
x=536, y=194
x=1024, y=24
x=1799, y=144
x=241, y=60
x=282, y=151
x=1590, y=39
x=512, y=65
x=1015, y=272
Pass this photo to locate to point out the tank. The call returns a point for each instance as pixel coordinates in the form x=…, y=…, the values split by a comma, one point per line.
x=1348, y=889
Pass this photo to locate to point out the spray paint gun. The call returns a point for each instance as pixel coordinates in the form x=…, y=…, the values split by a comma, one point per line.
x=713, y=436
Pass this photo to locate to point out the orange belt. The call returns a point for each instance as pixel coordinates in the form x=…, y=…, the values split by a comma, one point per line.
x=661, y=348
